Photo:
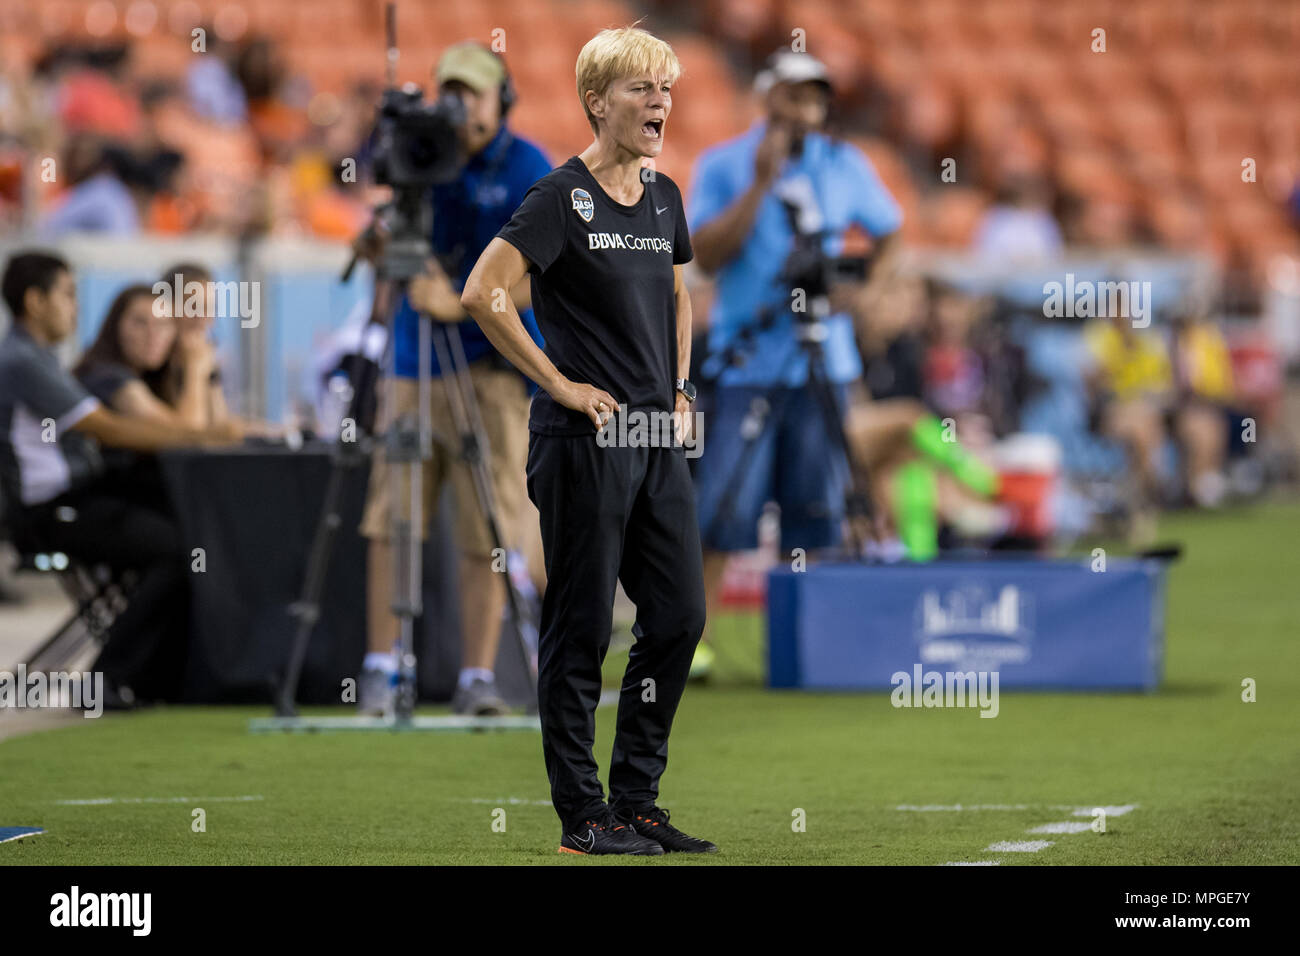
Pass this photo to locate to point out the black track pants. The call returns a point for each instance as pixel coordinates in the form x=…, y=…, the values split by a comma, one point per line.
x=608, y=515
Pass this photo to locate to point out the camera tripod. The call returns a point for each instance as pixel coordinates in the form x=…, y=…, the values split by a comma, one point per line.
x=408, y=443
x=810, y=333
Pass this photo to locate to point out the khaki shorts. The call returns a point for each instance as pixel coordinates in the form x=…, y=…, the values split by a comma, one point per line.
x=503, y=405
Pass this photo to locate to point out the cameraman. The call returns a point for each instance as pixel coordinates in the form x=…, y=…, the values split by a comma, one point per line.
x=467, y=213
x=750, y=195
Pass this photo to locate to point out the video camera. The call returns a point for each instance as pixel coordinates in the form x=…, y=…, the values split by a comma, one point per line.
x=416, y=143
x=809, y=268
x=416, y=147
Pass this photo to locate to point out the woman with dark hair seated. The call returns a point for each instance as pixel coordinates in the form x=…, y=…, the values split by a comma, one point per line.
x=141, y=365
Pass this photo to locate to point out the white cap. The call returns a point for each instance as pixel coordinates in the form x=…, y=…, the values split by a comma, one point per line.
x=786, y=66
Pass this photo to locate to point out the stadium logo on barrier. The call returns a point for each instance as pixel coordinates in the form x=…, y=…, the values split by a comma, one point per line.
x=968, y=626
x=582, y=204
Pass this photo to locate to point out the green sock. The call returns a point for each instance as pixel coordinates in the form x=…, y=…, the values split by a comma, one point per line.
x=914, y=510
x=928, y=437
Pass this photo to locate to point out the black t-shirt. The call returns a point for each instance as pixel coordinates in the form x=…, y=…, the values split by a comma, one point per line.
x=105, y=379
x=899, y=372
x=602, y=284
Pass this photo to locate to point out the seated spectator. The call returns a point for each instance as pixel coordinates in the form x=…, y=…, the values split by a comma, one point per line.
x=64, y=498
x=1131, y=392
x=1020, y=226
x=1203, y=382
x=194, y=334
x=211, y=87
x=920, y=476
x=102, y=198
x=148, y=364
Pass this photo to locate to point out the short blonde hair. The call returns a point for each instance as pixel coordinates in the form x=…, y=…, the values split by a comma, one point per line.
x=614, y=54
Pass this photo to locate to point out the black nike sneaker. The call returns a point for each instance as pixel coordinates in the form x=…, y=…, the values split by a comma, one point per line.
x=607, y=835
x=652, y=823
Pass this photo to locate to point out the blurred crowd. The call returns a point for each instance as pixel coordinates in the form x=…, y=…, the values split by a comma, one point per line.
x=233, y=146
x=237, y=143
x=1102, y=123
x=1127, y=419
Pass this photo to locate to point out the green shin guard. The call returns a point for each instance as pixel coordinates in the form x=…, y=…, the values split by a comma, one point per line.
x=915, y=501
x=928, y=437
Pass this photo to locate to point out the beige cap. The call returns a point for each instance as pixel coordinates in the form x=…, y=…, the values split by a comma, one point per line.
x=472, y=64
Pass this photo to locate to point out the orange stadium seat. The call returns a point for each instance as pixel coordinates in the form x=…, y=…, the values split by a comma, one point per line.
x=1153, y=128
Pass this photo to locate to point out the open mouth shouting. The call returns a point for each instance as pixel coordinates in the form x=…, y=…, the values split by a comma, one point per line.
x=654, y=129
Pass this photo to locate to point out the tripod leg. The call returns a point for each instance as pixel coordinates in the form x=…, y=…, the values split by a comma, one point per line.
x=411, y=445
x=753, y=428
x=307, y=607
x=832, y=414
x=476, y=452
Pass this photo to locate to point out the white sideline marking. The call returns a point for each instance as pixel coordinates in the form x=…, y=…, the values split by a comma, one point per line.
x=1067, y=827
x=513, y=801
x=1109, y=811
x=1018, y=846
x=1074, y=808
x=975, y=863
x=105, y=801
x=936, y=807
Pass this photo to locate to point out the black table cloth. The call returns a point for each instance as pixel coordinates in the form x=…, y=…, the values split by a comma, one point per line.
x=254, y=512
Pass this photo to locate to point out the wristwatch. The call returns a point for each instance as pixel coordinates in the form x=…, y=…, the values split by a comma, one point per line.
x=687, y=388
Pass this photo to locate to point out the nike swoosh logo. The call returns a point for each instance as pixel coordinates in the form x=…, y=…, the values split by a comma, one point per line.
x=660, y=212
x=586, y=844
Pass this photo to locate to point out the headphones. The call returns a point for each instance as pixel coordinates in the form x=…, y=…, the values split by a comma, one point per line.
x=507, y=90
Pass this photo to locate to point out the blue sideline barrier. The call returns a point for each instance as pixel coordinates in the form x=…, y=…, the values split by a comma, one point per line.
x=1038, y=623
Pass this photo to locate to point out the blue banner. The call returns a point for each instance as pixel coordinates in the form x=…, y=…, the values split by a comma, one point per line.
x=1036, y=623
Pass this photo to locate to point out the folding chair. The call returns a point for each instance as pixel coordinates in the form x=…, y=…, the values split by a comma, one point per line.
x=98, y=595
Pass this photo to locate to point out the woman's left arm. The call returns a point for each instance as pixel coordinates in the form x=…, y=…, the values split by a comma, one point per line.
x=196, y=362
x=683, y=298
x=684, y=318
x=218, y=410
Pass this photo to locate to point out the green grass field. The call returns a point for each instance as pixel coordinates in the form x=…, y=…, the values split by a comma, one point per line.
x=1214, y=780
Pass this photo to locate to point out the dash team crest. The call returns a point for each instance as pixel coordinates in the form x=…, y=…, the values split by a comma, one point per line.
x=582, y=204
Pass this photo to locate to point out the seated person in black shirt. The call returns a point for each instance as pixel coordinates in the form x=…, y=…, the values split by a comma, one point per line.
x=194, y=353
x=138, y=366
x=910, y=456
x=61, y=495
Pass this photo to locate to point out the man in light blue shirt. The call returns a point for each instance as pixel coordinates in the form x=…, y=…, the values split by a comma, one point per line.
x=749, y=196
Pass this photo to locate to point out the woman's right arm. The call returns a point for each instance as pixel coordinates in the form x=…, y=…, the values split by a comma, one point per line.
x=134, y=400
x=487, y=299
x=142, y=434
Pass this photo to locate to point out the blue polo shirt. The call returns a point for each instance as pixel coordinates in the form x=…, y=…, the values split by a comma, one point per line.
x=834, y=186
x=467, y=213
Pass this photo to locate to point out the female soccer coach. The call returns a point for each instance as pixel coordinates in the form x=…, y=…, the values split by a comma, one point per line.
x=605, y=244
